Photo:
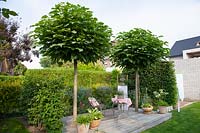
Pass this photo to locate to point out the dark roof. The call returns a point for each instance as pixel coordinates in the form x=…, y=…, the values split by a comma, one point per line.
x=179, y=46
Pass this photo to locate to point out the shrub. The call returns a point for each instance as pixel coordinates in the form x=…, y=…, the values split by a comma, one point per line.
x=45, y=99
x=47, y=109
x=46, y=102
x=20, y=69
x=83, y=103
x=36, y=80
x=10, y=90
x=104, y=94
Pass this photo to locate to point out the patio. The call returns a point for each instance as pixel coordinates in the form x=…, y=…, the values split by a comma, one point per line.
x=126, y=122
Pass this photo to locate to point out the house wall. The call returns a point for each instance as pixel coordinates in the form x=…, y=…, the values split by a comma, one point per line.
x=190, y=68
x=186, y=52
x=176, y=58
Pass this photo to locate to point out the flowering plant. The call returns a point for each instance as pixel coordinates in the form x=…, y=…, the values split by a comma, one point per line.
x=95, y=114
x=161, y=96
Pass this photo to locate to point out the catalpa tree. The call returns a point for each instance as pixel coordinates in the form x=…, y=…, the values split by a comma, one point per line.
x=71, y=33
x=136, y=50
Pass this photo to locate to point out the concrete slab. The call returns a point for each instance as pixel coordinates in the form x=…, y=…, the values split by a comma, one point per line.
x=126, y=122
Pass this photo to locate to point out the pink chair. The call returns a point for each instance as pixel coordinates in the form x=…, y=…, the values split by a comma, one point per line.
x=93, y=102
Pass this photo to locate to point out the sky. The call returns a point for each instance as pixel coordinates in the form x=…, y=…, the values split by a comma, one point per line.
x=173, y=19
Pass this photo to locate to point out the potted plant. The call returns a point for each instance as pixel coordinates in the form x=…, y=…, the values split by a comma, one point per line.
x=162, y=105
x=96, y=117
x=147, y=108
x=83, y=123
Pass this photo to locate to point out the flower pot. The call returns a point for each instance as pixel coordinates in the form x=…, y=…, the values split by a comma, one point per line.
x=94, y=123
x=83, y=128
x=162, y=109
x=147, y=110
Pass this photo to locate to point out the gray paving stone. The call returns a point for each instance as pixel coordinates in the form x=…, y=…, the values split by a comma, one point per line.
x=130, y=122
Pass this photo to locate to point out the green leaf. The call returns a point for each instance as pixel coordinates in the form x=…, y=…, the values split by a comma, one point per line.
x=6, y=12
x=74, y=32
x=13, y=13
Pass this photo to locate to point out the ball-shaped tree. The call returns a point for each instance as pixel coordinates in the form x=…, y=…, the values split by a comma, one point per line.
x=136, y=50
x=71, y=33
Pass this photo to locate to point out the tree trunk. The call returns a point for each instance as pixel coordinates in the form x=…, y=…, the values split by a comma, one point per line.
x=75, y=91
x=4, y=68
x=136, y=90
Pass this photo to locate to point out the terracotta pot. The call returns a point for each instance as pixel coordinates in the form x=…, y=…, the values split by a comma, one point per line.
x=94, y=123
x=147, y=110
x=83, y=128
x=162, y=109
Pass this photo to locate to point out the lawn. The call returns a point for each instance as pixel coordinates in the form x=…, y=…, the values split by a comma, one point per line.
x=12, y=125
x=186, y=121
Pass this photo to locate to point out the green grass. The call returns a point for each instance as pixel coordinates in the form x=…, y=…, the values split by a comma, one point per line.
x=186, y=121
x=12, y=125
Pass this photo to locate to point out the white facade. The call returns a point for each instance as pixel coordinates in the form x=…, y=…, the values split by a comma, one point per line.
x=190, y=68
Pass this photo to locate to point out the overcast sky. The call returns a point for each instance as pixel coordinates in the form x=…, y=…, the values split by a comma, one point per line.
x=174, y=19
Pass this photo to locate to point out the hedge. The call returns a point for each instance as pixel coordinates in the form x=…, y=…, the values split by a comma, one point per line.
x=159, y=76
x=86, y=78
x=10, y=90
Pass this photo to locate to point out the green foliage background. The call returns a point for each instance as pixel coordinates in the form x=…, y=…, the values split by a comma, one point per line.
x=10, y=90
x=47, y=94
x=87, y=78
x=159, y=76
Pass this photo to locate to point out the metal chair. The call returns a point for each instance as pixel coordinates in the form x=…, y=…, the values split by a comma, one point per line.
x=95, y=104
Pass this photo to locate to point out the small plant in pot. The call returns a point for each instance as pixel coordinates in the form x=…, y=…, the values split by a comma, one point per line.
x=162, y=105
x=83, y=123
x=96, y=117
x=147, y=108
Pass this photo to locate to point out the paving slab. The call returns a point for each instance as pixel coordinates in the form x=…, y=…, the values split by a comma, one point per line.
x=126, y=122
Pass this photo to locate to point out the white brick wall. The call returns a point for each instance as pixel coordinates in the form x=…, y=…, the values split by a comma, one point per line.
x=190, y=68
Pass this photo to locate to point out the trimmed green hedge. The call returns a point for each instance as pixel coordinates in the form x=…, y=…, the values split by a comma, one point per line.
x=10, y=90
x=86, y=78
x=159, y=76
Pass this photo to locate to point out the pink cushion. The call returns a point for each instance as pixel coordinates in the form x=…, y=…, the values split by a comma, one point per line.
x=93, y=102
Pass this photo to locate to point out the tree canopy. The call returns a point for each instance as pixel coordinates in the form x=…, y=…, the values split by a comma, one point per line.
x=137, y=49
x=70, y=32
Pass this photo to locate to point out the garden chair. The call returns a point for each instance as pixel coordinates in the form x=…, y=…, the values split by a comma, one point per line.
x=95, y=104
